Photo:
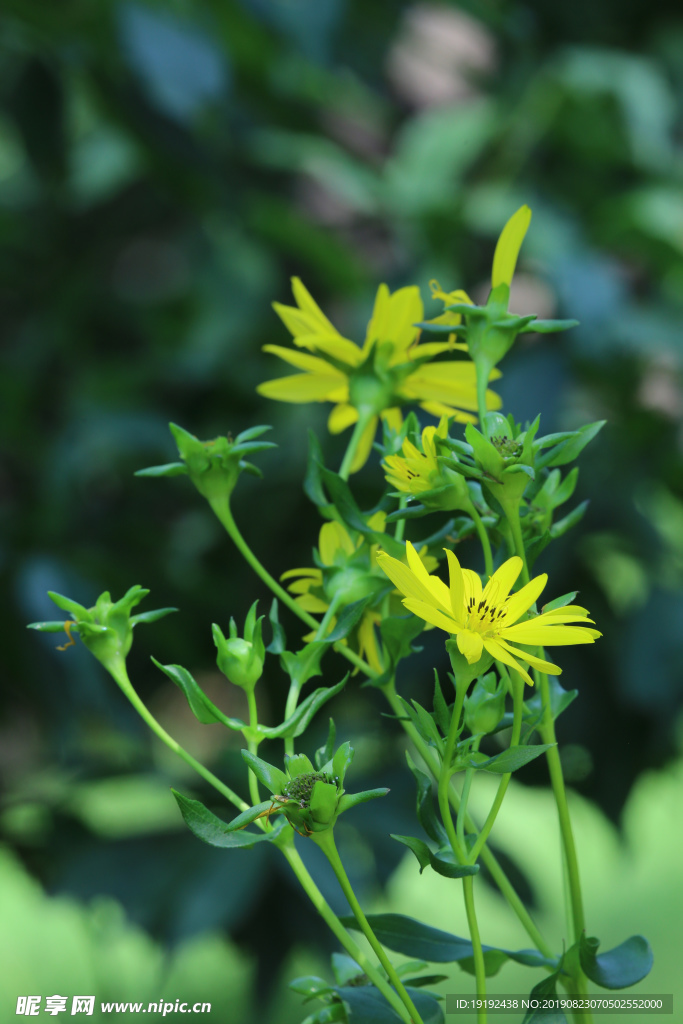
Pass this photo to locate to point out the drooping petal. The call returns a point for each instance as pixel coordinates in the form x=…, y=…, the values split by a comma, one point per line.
x=341, y=417
x=503, y=580
x=431, y=614
x=303, y=387
x=471, y=645
x=508, y=246
x=457, y=587
x=539, y=663
x=523, y=599
x=500, y=653
x=364, y=445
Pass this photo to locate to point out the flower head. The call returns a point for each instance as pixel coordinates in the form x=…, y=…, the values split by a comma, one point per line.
x=487, y=618
x=391, y=369
x=425, y=475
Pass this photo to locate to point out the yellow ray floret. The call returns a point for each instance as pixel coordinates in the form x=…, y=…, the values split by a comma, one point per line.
x=486, y=618
x=391, y=349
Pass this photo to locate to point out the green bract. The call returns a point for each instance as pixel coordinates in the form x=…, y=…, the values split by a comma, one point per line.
x=241, y=659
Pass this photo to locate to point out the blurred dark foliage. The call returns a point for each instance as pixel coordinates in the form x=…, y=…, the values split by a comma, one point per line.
x=164, y=169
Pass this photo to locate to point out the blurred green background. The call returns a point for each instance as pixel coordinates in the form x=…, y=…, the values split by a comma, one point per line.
x=164, y=169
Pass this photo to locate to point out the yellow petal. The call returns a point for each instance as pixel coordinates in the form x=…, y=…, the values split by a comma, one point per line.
x=311, y=603
x=508, y=246
x=434, y=585
x=472, y=587
x=500, y=653
x=307, y=304
x=548, y=636
x=523, y=600
x=364, y=446
x=302, y=387
x=471, y=645
x=538, y=663
x=367, y=643
x=431, y=614
x=333, y=538
x=457, y=587
x=435, y=348
x=439, y=409
x=393, y=418
x=296, y=321
x=305, y=362
x=313, y=573
x=333, y=345
x=402, y=578
x=341, y=417
x=503, y=580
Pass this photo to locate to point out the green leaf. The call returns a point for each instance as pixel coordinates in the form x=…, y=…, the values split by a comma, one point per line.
x=426, y=811
x=562, y=525
x=313, y=486
x=153, y=616
x=441, y=712
x=546, y=989
x=560, y=602
x=250, y=815
x=350, y=800
x=305, y=664
x=347, y=619
x=212, y=830
x=251, y=433
x=169, y=469
x=279, y=642
x=412, y=938
x=298, y=722
x=368, y=1006
x=309, y=986
x=271, y=777
x=548, y=326
x=419, y=848
x=67, y=605
x=444, y=863
x=398, y=633
x=510, y=760
x=566, y=488
x=341, y=761
x=570, y=449
x=324, y=754
x=560, y=699
x=202, y=708
x=427, y=725
x=51, y=627
x=621, y=967
x=345, y=503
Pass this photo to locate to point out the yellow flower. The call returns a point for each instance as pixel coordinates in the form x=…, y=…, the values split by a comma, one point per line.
x=390, y=370
x=348, y=565
x=487, y=618
x=417, y=471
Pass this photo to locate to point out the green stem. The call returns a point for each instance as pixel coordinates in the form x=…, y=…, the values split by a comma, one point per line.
x=506, y=888
x=325, y=840
x=328, y=616
x=484, y=539
x=120, y=675
x=336, y=927
x=483, y=373
x=253, y=746
x=547, y=732
x=518, y=708
x=445, y=773
x=464, y=798
x=479, y=966
x=362, y=422
x=512, y=516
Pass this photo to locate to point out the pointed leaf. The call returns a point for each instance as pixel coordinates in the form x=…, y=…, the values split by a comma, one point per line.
x=298, y=722
x=426, y=811
x=271, y=777
x=153, y=616
x=366, y=1005
x=202, y=708
x=350, y=800
x=560, y=602
x=51, y=627
x=169, y=469
x=548, y=326
x=279, y=642
x=212, y=830
x=559, y=528
x=347, y=619
x=570, y=449
x=510, y=760
x=67, y=605
x=419, y=848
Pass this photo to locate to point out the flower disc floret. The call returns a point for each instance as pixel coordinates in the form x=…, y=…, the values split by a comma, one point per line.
x=488, y=618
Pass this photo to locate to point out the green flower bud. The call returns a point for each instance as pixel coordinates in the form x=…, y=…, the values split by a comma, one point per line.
x=241, y=659
x=485, y=706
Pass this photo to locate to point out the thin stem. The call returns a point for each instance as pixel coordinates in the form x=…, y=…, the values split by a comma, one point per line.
x=336, y=927
x=547, y=732
x=444, y=776
x=362, y=422
x=253, y=745
x=512, y=516
x=483, y=373
x=328, y=616
x=518, y=708
x=484, y=540
x=400, y=523
x=479, y=966
x=464, y=798
x=325, y=840
x=497, y=873
x=121, y=677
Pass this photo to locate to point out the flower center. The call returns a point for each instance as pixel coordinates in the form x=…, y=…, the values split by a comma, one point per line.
x=484, y=617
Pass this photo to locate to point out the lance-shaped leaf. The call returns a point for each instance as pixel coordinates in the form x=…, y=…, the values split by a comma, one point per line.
x=412, y=938
x=67, y=605
x=350, y=800
x=297, y=723
x=168, y=469
x=212, y=830
x=202, y=708
x=279, y=642
x=305, y=664
x=426, y=811
x=442, y=861
x=153, y=616
x=271, y=777
x=51, y=627
x=548, y=326
x=546, y=991
x=510, y=760
x=366, y=1005
x=569, y=449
